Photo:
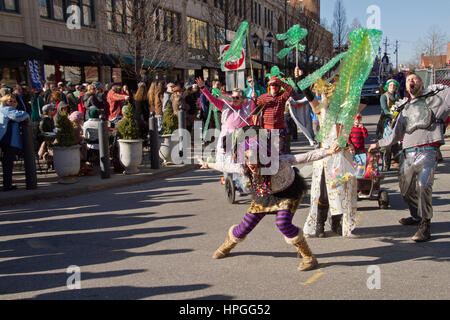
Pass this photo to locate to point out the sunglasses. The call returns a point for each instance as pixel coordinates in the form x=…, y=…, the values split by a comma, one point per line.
x=235, y=98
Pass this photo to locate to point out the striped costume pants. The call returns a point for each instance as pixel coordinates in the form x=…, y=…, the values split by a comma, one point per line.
x=283, y=221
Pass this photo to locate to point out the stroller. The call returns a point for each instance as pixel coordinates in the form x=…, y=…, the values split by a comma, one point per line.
x=369, y=178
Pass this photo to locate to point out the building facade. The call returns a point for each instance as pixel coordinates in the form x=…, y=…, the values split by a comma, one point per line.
x=89, y=40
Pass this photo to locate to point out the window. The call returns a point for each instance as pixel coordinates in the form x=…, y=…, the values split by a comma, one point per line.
x=9, y=5
x=118, y=13
x=197, y=34
x=57, y=10
x=167, y=25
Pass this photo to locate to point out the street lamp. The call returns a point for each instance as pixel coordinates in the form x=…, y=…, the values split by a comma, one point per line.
x=269, y=38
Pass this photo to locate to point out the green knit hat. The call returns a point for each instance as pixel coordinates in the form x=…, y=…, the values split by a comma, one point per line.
x=386, y=87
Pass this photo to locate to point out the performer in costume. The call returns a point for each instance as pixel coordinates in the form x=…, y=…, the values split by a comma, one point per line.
x=271, y=107
x=278, y=194
x=419, y=123
x=341, y=201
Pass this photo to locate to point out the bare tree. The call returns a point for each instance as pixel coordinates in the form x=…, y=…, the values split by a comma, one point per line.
x=143, y=34
x=340, y=27
x=434, y=44
x=224, y=15
x=318, y=44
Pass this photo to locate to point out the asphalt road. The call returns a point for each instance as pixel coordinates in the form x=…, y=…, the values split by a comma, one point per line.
x=155, y=241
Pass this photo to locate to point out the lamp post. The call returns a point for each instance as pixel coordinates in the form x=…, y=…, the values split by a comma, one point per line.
x=269, y=38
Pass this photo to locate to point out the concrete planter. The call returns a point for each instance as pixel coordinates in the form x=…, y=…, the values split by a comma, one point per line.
x=130, y=155
x=67, y=163
x=166, y=147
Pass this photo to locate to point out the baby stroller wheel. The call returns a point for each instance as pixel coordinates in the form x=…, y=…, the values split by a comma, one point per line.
x=230, y=189
x=383, y=200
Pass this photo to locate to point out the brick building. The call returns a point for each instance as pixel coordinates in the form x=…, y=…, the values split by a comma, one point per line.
x=190, y=31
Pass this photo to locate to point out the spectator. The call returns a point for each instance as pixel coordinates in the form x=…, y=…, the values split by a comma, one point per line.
x=89, y=99
x=72, y=100
x=90, y=133
x=46, y=125
x=21, y=102
x=10, y=136
x=167, y=95
x=115, y=101
x=141, y=103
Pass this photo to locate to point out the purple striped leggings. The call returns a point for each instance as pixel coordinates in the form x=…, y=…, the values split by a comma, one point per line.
x=283, y=221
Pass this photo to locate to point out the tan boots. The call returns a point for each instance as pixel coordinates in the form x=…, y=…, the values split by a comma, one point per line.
x=230, y=242
x=309, y=261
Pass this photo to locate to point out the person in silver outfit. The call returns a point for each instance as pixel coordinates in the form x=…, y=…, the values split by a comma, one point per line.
x=419, y=123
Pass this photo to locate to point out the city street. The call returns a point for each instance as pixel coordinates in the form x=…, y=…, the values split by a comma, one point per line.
x=155, y=241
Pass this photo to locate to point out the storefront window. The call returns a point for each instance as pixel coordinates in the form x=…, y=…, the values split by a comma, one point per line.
x=117, y=75
x=10, y=76
x=91, y=74
x=72, y=74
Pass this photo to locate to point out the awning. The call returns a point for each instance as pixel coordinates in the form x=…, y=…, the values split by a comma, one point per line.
x=74, y=57
x=255, y=65
x=205, y=64
x=19, y=51
x=187, y=65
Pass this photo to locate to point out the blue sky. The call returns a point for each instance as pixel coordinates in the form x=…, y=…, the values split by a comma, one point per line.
x=402, y=20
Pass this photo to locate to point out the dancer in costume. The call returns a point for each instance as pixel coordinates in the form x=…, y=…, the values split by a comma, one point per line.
x=419, y=123
x=271, y=106
x=234, y=116
x=340, y=201
x=279, y=194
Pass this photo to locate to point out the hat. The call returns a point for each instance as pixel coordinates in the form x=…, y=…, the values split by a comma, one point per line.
x=93, y=113
x=47, y=108
x=97, y=85
x=76, y=116
x=386, y=87
x=170, y=84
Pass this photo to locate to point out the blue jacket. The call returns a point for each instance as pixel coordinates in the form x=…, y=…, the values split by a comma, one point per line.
x=11, y=114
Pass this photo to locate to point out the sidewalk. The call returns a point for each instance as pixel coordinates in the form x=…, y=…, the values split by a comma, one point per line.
x=49, y=188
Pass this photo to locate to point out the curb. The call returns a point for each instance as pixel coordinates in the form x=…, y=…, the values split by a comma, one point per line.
x=103, y=184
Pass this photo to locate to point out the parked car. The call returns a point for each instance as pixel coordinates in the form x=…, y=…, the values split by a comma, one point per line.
x=371, y=89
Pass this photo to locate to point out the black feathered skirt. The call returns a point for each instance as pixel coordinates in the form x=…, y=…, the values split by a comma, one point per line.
x=286, y=200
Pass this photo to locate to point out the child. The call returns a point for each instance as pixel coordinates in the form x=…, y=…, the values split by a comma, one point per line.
x=357, y=146
x=357, y=136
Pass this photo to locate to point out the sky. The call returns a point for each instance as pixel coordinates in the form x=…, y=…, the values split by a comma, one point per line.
x=402, y=20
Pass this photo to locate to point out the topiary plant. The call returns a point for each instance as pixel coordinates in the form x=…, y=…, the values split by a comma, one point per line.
x=128, y=126
x=170, y=120
x=66, y=135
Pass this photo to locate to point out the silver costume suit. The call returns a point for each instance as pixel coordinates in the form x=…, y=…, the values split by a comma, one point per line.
x=420, y=123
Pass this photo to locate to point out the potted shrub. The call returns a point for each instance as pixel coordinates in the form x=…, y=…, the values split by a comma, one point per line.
x=66, y=150
x=130, y=144
x=169, y=125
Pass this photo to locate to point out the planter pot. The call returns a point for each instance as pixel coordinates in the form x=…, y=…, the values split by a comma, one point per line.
x=130, y=152
x=166, y=147
x=67, y=163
